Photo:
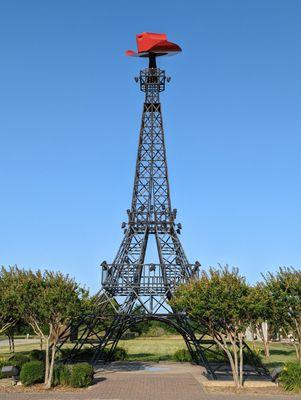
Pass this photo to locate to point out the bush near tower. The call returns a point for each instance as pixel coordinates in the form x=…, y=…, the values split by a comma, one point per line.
x=284, y=287
x=219, y=300
x=222, y=300
x=10, y=310
x=48, y=301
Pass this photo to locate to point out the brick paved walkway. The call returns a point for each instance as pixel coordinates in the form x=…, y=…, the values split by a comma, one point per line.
x=135, y=385
x=127, y=387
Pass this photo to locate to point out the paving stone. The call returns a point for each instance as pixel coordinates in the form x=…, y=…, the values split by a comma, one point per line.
x=142, y=386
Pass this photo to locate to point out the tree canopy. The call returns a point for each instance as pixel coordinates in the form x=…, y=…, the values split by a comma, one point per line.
x=47, y=301
x=284, y=289
x=11, y=309
x=219, y=300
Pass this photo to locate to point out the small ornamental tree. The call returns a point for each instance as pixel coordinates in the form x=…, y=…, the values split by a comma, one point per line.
x=10, y=309
x=218, y=300
x=261, y=310
x=52, y=300
x=10, y=333
x=284, y=287
x=18, y=328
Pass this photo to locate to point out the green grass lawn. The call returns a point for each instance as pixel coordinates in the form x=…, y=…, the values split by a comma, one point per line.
x=162, y=349
x=279, y=354
x=152, y=348
x=19, y=348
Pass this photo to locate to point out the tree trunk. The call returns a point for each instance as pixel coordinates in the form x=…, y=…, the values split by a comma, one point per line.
x=266, y=345
x=9, y=342
x=13, y=342
x=51, y=366
x=265, y=339
x=241, y=359
x=232, y=336
x=298, y=347
x=253, y=337
x=296, y=340
x=234, y=368
x=47, y=362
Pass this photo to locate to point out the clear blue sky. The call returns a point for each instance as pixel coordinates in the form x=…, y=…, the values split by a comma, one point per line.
x=70, y=115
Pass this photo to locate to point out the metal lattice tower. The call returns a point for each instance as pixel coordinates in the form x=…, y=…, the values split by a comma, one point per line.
x=134, y=290
x=150, y=214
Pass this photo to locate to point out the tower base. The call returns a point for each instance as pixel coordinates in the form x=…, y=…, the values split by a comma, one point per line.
x=96, y=336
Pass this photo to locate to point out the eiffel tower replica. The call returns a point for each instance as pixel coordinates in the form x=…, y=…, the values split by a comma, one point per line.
x=133, y=289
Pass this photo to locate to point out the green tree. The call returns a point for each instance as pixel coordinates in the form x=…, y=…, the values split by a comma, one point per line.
x=19, y=328
x=219, y=300
x=284, y=287
x=260, y=312
x=10, y=309
x=51, y=301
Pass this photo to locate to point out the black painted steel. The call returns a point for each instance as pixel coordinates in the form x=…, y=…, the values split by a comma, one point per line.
x=133, y=287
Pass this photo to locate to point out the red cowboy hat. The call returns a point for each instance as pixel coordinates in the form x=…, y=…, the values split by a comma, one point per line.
x=155, y=43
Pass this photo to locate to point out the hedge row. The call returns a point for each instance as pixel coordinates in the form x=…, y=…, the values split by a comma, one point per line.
x=32, y=372
x=119, y=354
x=77, y=375
x=81, y=374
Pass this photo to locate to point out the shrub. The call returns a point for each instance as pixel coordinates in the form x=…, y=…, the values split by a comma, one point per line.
x=155, y=331
x=3, y=363
x=290, y=377
x=81, y=355
x=56, y=375
x=32, y=372
x=182, y=355
x=37, y=355
x=128, y=335
x=61, y=375
x=18, y=360
x=81, y=375
x=85, y=355
x=65, y=375
x=120, y=354
x=63, y=354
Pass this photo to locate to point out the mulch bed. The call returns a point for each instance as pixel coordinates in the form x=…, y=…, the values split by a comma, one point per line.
x=7, y=387
x=260, y=390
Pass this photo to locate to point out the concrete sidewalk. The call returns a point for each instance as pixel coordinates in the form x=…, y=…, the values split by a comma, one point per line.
x=4, y=342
